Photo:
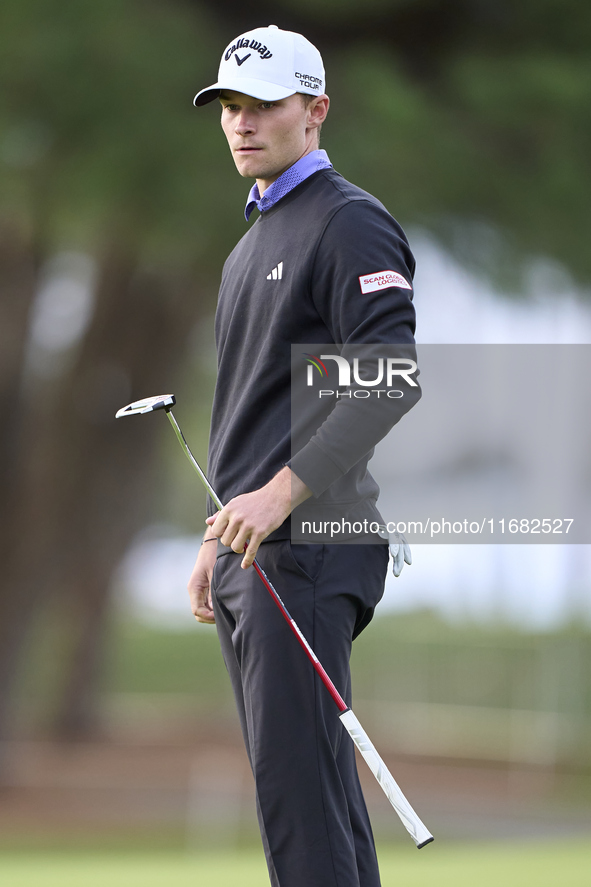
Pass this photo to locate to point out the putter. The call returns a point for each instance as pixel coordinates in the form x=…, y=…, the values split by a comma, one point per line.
x=416, y=829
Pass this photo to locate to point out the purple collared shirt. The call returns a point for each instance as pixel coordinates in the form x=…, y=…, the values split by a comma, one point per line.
x=304, y=167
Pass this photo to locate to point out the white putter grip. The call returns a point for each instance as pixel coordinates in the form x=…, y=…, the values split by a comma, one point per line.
x=416, y=829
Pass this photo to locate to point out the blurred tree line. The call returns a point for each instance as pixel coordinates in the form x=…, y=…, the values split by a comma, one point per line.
x=119, y=203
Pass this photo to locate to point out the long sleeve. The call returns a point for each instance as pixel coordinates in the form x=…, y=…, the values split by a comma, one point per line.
x=362, y=288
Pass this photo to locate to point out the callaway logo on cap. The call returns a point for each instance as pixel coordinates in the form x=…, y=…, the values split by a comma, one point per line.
x=268, y=64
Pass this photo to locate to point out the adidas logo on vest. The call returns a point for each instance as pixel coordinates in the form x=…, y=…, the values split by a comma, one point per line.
x=276, y=273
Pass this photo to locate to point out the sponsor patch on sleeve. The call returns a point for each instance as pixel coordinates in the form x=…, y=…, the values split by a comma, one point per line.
x=369, y=283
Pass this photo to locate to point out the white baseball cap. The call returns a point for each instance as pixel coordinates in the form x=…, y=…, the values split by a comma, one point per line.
x=268, y=64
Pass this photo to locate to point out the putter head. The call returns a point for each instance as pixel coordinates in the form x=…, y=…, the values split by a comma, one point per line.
x=147, y=405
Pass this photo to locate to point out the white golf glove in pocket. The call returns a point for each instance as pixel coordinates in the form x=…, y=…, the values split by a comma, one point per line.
x=399, y=549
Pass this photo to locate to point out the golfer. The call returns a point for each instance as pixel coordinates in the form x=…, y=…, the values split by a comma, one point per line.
x=324, y=262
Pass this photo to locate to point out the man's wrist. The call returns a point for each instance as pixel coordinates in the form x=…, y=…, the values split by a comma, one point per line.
x=299, y=492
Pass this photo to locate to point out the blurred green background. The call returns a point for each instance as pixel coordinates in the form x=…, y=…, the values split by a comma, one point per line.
x=471, y=121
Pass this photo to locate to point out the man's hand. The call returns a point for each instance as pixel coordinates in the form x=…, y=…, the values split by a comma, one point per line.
x=248, y=519
x=200, y=582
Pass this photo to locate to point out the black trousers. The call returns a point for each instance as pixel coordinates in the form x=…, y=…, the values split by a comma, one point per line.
x=313, y=820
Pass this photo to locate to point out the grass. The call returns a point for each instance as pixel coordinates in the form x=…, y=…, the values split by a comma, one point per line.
x=486, y=865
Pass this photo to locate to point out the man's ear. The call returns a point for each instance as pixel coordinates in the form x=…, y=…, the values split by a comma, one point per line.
x=317, y=111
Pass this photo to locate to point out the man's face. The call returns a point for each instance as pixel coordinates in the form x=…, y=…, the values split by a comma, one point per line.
x=266, y=138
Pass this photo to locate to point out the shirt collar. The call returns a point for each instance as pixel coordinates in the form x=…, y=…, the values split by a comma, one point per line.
x=295, y=175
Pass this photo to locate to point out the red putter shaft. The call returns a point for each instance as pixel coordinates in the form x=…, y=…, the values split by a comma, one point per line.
x=342, y=705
